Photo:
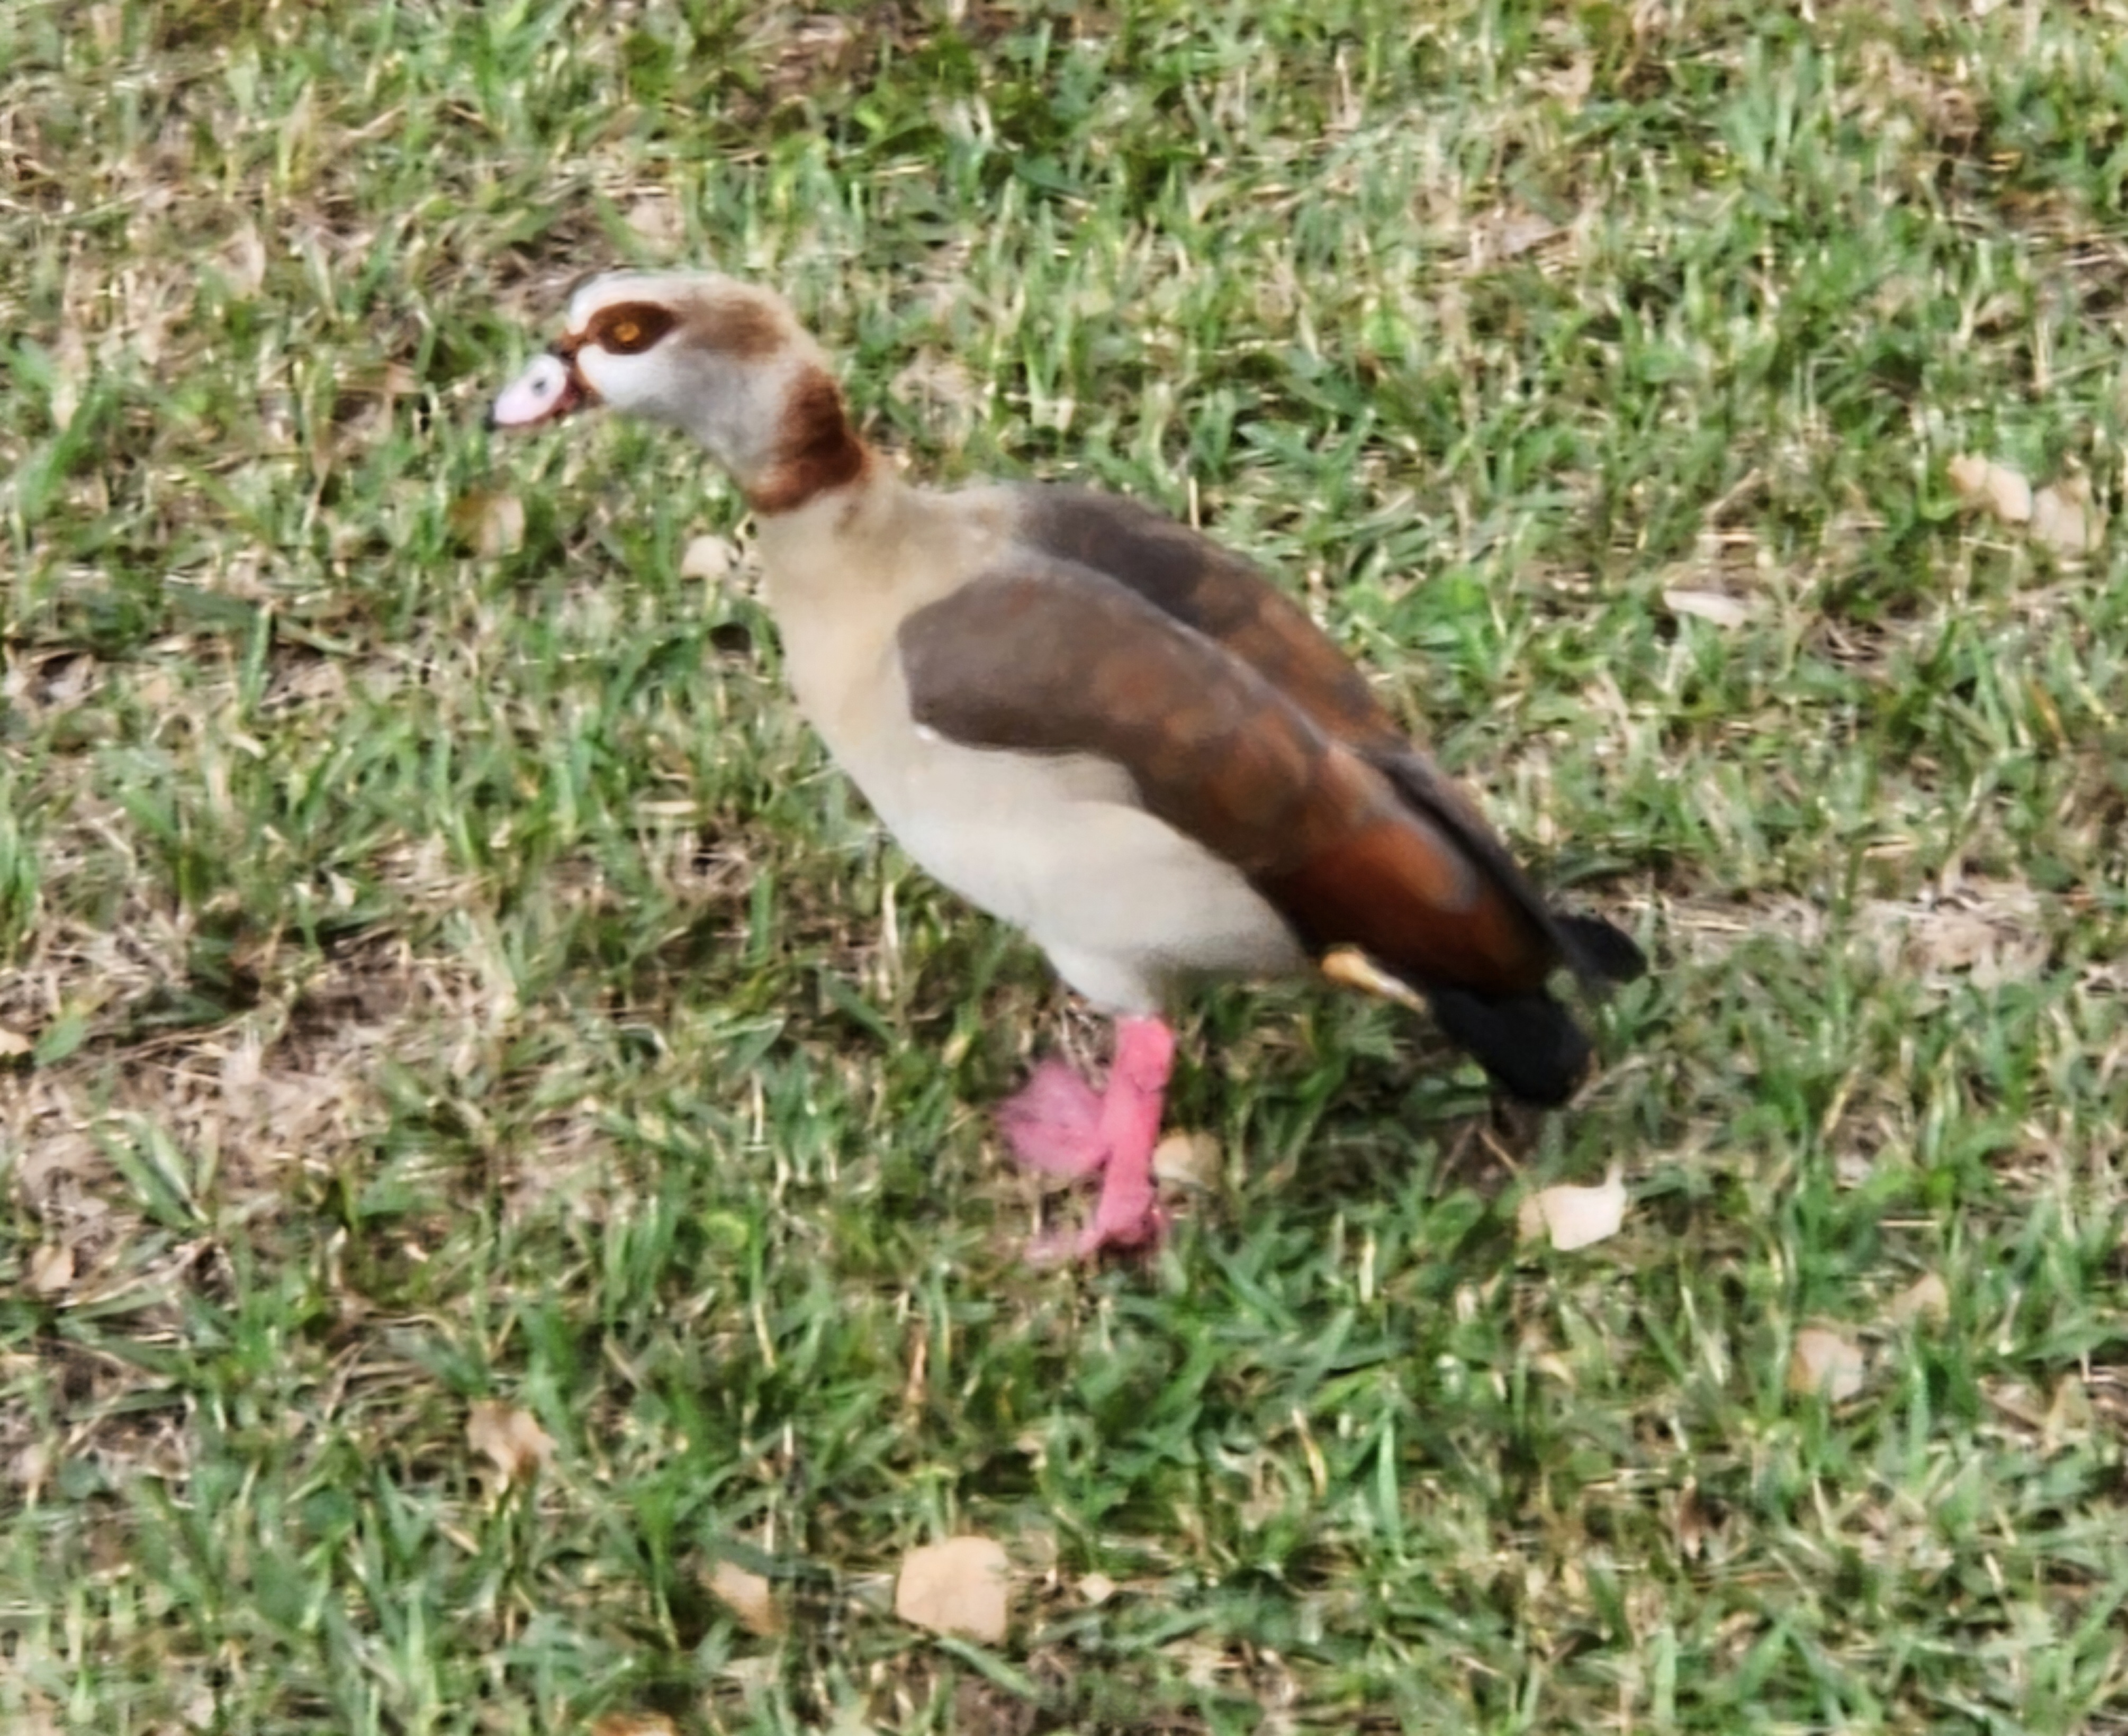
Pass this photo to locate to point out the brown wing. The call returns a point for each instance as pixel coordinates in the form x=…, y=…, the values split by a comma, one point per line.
x=1060, y=659
x=1193, y=580
x=1218, y=592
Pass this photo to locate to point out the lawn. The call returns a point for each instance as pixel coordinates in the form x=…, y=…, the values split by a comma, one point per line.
x=443, y=987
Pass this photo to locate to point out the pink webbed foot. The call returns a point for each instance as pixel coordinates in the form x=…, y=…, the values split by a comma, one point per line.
x=1054, y=1124
x=1060, y=1126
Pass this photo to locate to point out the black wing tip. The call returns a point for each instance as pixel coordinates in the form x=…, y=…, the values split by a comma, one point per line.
x=1600, y=951
x=1528, y=1043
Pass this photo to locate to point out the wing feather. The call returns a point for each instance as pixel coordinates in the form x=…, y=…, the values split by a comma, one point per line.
x=1062, y=659
x=1223, y=596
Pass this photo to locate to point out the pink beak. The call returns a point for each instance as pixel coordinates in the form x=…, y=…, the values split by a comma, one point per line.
x=550, y=387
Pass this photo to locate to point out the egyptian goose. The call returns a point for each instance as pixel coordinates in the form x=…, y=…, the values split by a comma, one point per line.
x=1095, y=723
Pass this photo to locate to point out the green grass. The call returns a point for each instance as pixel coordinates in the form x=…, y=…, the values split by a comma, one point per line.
x=442, y=977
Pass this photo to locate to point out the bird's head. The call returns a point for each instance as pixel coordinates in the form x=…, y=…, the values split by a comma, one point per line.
x=726, y=361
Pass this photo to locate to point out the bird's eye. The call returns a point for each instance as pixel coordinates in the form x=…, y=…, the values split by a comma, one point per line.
x=631, y=328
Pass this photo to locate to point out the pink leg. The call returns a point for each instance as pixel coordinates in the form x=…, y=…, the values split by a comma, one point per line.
x=1060, y=1126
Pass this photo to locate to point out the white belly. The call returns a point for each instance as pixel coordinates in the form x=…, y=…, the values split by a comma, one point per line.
x=1123, y=905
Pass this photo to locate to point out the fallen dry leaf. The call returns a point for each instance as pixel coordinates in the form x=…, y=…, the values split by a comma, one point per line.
x=633, y=1723
x=2061, y=515
x=2066, y=519
x=1190, y=1159
x=13, y=1043
x=748, y=1597
x=1994, y=489
x=1573, y=1217
x=518, y=1446
x=489, y=522
x=1926, y=1298
x=1823, y=1361
x=711, y=559
x=1711, y=606
x=957, y=1587
x=51, y=1268
x=1096, y=1588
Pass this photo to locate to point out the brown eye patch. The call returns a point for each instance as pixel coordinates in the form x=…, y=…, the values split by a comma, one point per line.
x=629, y=328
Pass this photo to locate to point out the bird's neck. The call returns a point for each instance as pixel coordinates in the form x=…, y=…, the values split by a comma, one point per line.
x=806, y=451
x=840, y=538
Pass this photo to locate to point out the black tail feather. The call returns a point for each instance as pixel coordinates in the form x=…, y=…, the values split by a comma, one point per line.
x=1600, y=951
x=1529, y=1043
